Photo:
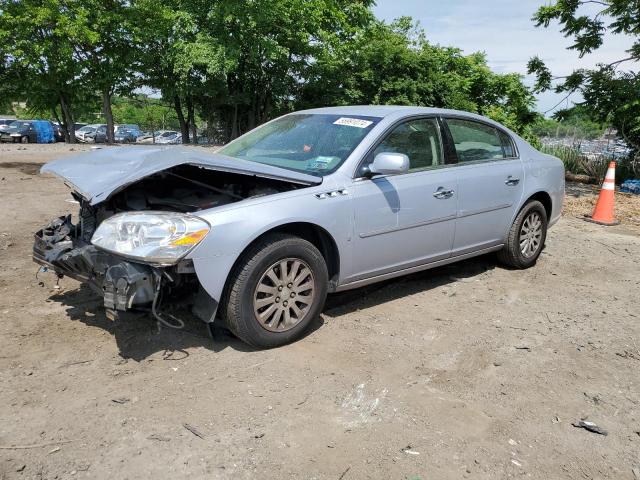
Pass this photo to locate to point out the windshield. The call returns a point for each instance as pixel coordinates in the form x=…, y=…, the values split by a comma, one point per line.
x=316, y=144
x=86, y=129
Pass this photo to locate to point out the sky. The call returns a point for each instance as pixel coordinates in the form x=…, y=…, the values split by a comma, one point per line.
x=504, y=31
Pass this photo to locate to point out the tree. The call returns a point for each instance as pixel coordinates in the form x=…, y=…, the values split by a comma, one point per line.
x=38, y=63
x=394, y=64
x=104, y=46
x=610, y=94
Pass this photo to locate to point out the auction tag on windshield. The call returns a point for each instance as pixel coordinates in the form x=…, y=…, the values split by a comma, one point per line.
x=352, y=122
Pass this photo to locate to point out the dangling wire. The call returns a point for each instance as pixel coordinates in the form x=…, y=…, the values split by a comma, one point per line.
x=178, y=323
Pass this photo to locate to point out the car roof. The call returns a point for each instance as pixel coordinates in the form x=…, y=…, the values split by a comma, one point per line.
x=382, y=111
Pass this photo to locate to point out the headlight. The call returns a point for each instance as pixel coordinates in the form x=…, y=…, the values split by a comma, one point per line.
x=153, y=237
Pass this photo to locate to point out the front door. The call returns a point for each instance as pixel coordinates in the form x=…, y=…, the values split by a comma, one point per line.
x=405, y=220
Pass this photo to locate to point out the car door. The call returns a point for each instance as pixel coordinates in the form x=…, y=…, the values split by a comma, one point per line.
x=405, y=220
x=490, y=183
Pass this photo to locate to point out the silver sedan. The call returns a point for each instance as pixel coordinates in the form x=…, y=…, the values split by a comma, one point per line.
x=310, y=203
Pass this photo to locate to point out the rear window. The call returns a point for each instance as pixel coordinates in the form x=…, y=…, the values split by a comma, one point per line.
x=476, y=141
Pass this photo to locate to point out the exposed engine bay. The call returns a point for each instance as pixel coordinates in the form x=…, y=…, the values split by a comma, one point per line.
x=185, y=188
x=64, y=245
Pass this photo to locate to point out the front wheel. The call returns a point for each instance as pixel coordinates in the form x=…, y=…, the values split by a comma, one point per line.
x=526, y=237
x=274, y=293
x=25, y=139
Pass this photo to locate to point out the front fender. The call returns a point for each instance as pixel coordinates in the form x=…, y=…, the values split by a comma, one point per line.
x=233, y=230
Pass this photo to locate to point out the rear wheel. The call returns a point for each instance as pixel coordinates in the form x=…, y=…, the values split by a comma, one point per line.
x=526, y=237
x=275, y=292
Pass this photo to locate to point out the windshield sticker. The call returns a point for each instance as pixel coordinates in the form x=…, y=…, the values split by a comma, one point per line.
x=321, y=163
x=352, y=122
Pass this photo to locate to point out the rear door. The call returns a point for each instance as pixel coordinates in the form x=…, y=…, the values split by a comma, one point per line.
x=490, y=179
x=405, y=220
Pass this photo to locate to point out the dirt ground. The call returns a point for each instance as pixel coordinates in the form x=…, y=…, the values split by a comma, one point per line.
x=468, y=371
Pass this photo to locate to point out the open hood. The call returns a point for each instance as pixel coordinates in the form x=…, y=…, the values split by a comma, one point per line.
x=97, y=175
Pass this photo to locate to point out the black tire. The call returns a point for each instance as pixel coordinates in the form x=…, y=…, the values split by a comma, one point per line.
x=238, y=299
x=24, y=139
x=512, y=255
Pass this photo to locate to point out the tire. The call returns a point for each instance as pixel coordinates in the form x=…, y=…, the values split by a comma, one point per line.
x=251, y=291
x=24, y=139
x=513, y=255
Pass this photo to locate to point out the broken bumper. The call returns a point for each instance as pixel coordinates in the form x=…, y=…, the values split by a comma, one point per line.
x=123, y=284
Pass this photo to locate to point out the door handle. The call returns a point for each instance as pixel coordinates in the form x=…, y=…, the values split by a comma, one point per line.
x=441, y=193
x=512, y=182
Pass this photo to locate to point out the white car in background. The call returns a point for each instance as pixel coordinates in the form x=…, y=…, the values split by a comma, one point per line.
x=158, y=136
x=84, y=134
x=173, y=139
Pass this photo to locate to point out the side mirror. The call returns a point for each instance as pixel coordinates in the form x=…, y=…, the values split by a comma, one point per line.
x=387, y=163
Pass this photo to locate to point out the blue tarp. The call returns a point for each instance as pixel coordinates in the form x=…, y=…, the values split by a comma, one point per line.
x=631, y=186
x=44, y=131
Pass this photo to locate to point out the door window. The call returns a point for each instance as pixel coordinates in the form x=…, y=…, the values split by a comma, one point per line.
x=476, y=141
x=419, y=140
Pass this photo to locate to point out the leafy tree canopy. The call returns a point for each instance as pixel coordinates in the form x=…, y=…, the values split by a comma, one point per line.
x=610, y=93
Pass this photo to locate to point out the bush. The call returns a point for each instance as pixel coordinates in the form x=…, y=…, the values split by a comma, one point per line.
x=594, y=166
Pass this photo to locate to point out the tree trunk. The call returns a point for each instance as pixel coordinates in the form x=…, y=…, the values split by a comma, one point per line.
x=67, y=115
x=191, y=120
x=108, y=114
x=234, y=123
x=63, y=125
x=184, y=127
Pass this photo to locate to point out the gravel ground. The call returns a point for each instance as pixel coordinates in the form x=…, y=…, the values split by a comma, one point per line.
x=467, y=371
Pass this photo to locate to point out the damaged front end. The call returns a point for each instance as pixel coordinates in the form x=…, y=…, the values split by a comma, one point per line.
x=124, y=284
x=126, y=197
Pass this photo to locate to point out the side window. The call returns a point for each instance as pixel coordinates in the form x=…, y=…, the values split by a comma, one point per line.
x=476, y=141
x=417, y=139
x=507, y=145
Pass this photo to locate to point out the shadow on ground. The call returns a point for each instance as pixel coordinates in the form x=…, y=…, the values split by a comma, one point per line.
x=138, y=335
x=387, y=291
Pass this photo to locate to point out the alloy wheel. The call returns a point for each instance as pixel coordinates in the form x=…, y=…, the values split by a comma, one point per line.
x=284, y=295
x=531, y=234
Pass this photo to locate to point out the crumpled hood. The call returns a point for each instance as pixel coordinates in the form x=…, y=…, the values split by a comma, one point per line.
x=98, y=174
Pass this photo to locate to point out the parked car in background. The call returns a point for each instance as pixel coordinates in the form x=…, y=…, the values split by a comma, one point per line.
x=174, y=138
x=124, y=135
x=58, y=132
x=29, y=131
x=5, y=122
x=100, y=135
x=131, y=128
x=19, y=131
x=157, y=136
x=83, y=134
x=317, y=201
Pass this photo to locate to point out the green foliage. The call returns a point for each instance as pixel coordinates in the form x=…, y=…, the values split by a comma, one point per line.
x=148, y=113
x=236, y=64
x=593, y=167
x=576, y=122
x=394, y=64
x=610, y=95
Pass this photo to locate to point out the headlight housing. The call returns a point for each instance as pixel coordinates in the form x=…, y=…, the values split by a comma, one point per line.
x=151, y=237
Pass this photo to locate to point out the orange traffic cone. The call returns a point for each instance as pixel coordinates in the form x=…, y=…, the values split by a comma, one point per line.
x=603, y=213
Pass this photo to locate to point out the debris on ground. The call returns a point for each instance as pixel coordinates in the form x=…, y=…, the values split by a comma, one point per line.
x=193, y=430
x=627, y=354
x=590, y=426
x=409, y=451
